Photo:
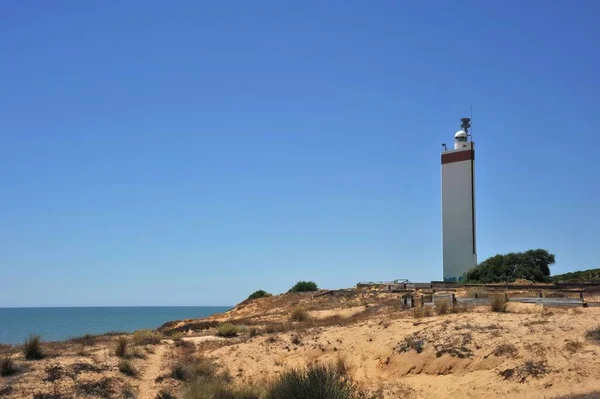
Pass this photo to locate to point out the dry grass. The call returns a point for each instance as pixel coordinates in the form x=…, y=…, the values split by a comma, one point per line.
x=498, y=304
x=85, y=340
x=530, y=368
x=127, y=368
x=593, y=335
x=442, y=307
x=508, y=350
x=121, y=349
x=146, y=337
x=7, y=366
x=573, y=346
x=32, y=348
x=299, y=314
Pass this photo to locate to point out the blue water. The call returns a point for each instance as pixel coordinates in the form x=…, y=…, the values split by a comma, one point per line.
x=54, y=324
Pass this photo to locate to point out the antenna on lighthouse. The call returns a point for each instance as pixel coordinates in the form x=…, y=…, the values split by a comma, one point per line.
x=465, y=125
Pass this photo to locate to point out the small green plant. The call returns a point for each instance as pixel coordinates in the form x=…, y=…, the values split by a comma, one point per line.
x=299, y=314
x=146, y=337
x=32, y=348
x=227, y=330
x=259, y=294
x=593, y=335
x=7, y=366
x=442, y=307
x=316, y=381
x=499, y=304
x=127, y=368
x=121, y=349
x=304, y=286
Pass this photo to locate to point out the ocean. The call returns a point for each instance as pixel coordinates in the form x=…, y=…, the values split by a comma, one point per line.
x=55, y=324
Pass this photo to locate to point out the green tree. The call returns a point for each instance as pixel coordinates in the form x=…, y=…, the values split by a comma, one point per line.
x=259, y=294
x=532, y=265
x=304, y=286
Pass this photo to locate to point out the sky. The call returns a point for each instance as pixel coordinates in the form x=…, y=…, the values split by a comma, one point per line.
x=190, y=152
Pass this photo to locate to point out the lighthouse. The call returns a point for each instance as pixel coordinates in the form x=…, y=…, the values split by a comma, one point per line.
x=458, y=206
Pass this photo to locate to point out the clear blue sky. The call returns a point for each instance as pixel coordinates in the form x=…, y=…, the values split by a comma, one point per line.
x=188, y=152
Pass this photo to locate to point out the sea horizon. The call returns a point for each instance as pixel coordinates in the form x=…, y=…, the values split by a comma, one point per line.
x=58, y=323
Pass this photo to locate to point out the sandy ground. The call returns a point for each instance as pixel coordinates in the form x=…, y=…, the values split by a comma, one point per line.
x=528, y=352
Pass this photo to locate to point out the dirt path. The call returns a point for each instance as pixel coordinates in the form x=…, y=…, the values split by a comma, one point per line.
x=147, y=387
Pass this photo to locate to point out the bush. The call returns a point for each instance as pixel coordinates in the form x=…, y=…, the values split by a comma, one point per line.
x=127, y=368
x=299, y=314
x=216, y=389
x=227, y=330
x=508, y=350
x=121, y=349
x=442, y=307
x=146, y=337
x=316, y=381
x=7, y=366
x=259, y=294
x=85, y=340
x=498, y=304
x=189, y=368
x=593, y=335
x=532, y=265
x=304, y=286
x=32, y=348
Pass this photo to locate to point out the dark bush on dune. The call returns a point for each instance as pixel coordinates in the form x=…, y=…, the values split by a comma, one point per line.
x=259, y=294
x=304, y=286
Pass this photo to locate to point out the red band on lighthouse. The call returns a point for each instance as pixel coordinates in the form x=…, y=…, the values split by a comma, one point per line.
x=458, y=156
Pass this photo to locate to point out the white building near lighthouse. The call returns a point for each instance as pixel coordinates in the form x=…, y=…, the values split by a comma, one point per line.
x=458, y=206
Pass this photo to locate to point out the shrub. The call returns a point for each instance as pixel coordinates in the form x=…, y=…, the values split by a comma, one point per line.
x=259, y=294
x=121, y=349
x=498, y=304
x=593, y=335
x=146, y=337
x=316, y=381
x=227, y=330
x=127, y=368
x=189, y=368
x=299, y=314
x=7, y=366
x=253, y=332
x=296, y=340
x=216, y=389
x=164, y=394
x=304, y=286
x=427, y=311
x=32, y=348
x=442, y=307
x=128, y=392
x=103, y=388
x=85, y=340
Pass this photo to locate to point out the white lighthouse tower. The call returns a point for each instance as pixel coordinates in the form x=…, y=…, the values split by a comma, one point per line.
x=458, y=205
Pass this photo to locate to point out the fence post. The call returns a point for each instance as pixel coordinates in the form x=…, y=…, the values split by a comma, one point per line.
x=412, y=301
x=453, y=299
x=422, y=300
x=505, y=297
x=405, y=297
x=541, y=296
x=476, y=295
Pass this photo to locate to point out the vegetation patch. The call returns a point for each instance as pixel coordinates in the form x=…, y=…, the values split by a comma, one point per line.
x=147, y=337
x=533, y=265
x=127, y=368
x=534, y=369
x=573, y=346
x=54, y=373
x=315, y=381
x=103, y=388
x=32, y=348
x=442, y=307
x=85, y=340
x=7, y=366
x=593, y=335
x=200, y=389
x=299, y=314
x=508, y=350
x=227, y=330
x=304, y=286
x=6, y=390
x=259, y=294
x=411, y=342
x=498, y=304
x=188, y=368
x=164, y=394
x=121, y=349
x=83, y=367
